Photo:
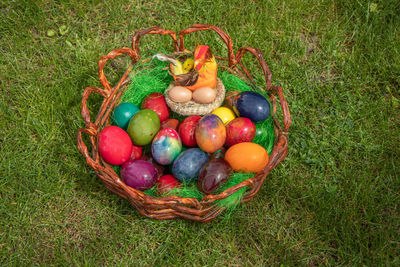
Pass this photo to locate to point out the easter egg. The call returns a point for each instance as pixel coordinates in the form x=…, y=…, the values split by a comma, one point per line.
x=240, y=130
x=229, y=99
x=115, y=146
x=166, y=146
x=166, y=183
x=170, y=123
x=187, y=130
x=123, y=113
x=188, y=164
x=225, y=114
x=139, y=174
x=180, y=94
x=159, y=168
x=220, y=153
x=156, y=102
x=247, y=157
x=204, y=95
x=252, y=105
x=143, y=127
x=136, y=152
x=213, y=174
x=210, y=133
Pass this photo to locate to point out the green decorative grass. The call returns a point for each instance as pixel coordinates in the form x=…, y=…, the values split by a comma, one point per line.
x=333, y=201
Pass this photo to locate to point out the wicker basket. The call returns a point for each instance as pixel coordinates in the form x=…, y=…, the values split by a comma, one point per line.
x=171, y=207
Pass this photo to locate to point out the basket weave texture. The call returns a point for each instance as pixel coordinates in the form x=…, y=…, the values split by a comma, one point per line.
x=170, y=207
x=193, y=108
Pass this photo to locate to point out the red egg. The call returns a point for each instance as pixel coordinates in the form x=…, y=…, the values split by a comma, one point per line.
x=115, y=145
x=166, y=183
x=240, y=130
x=187, y=130
x=156, y=102
x=136, y=152
x=170, y=123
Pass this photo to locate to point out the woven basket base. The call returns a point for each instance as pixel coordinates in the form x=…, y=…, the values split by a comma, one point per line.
x=193, y=108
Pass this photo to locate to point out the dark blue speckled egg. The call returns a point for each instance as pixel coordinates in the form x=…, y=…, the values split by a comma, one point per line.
x=252, y=105
x=188, y=164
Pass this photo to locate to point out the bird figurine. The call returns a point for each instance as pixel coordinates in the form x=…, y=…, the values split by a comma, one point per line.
x=201, y=71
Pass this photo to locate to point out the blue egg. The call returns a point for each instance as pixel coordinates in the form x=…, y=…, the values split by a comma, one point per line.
x=252, y=105
x=123, y=113
x=187, y=165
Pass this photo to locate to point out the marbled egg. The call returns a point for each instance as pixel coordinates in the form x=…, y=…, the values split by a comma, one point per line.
x=166, y=146
x=213, y=174
x=240, y=130
x=204, y=95
x=143, y=127
x=188, y=164
x=210, y=133
x=180, y=94
x=187, y=130
x=247, y=157
x=252, y=105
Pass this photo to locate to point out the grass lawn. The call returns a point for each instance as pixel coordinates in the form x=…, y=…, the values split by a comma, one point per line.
x=333, y=201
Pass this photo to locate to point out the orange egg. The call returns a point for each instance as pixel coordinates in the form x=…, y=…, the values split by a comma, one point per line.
x=247, y=157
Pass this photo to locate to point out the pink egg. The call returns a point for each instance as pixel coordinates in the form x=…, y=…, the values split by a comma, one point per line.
x=115, y=145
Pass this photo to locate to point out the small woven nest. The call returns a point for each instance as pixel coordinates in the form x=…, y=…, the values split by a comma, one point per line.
x=193, y=108
x=170, y=207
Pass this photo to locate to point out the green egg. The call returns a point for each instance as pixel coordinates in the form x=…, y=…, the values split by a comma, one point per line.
x=143, y=127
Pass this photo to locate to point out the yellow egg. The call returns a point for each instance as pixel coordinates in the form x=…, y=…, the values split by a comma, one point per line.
x=180, y=94
x=204, y=95
x=225, y=114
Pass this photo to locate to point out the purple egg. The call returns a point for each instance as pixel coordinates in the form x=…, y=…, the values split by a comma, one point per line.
x=139, y=174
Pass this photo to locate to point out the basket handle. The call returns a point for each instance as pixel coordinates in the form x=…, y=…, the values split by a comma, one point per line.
x=84, y=150
x=91, y=128
x=84, y=108
x=152, y=30
x=111, y=55
x=221, y=33
x=287, y=120
x=258, y=54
